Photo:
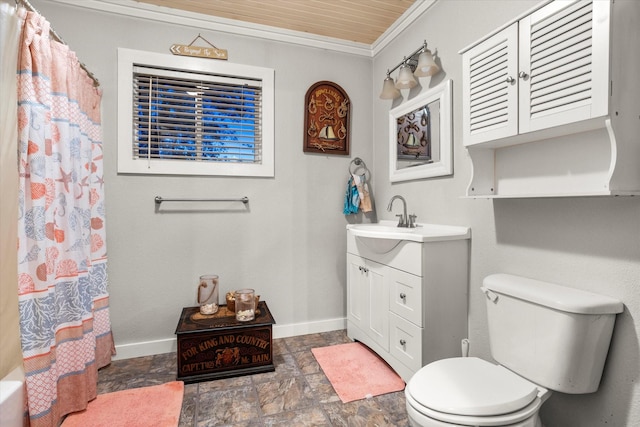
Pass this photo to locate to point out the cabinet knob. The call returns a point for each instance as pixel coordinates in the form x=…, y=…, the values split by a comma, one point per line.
x=403, y=295
x=403, y=342
x=523, y=75
x=510, y=79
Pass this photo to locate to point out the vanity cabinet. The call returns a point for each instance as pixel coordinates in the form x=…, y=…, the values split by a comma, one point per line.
x=367, y=299
x=407, y=300
x=550, y=105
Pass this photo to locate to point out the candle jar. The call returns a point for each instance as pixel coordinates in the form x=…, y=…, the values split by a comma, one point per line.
x=208, y=294
x=245, y=305
x=231, y=301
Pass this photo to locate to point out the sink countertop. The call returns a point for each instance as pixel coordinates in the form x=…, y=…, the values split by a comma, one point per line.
x=421, y=233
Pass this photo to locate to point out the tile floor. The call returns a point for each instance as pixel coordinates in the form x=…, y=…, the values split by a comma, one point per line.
x=296, y=394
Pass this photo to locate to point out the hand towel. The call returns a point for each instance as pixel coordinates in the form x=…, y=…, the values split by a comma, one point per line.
x=363, y=192
x=351, y=198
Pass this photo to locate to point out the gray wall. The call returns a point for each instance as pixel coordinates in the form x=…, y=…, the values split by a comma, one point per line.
x=290, y=245
x=587, y=243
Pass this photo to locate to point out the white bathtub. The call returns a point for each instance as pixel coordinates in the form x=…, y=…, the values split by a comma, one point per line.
x=12, y=399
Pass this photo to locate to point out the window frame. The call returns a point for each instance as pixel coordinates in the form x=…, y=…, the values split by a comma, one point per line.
x=128, y=59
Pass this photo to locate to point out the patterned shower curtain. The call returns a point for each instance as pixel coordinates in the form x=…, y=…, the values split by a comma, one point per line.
x=62, y=258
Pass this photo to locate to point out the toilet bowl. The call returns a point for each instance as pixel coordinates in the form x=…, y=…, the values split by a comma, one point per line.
x=468, y=391
x=543, y=336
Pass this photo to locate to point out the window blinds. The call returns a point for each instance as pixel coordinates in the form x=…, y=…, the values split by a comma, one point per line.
x=180, y=115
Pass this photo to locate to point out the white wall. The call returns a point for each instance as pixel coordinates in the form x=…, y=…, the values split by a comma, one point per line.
x=587, y=243
x=291, y=243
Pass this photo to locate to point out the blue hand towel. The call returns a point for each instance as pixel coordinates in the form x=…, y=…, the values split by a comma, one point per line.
x=351, y=198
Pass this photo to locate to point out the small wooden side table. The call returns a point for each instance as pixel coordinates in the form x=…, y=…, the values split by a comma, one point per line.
x=218, y=346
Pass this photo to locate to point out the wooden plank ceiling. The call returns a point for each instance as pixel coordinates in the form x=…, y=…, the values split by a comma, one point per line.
x=361, y=21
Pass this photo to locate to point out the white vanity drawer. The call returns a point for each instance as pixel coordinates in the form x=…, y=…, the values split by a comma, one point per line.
x=406, y=295
x=406, y=342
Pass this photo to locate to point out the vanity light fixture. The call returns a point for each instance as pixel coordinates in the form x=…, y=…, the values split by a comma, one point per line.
x=405, y=78
x=389, y=90
x=426, y=65
x=418, y=64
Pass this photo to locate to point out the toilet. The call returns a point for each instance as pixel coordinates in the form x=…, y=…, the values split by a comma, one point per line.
x=544, y=337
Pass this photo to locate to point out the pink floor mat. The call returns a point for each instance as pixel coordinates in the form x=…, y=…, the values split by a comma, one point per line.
x=356, y=372
x=155, y=406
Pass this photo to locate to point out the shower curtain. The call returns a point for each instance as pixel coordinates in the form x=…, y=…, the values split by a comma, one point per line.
x=10, y=352
x=62, y=258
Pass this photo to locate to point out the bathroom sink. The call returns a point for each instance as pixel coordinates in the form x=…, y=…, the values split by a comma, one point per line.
x=421, y=233
x=380, y=228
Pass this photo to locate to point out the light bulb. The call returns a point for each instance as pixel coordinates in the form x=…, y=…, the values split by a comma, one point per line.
x=389, y=90
x=405, y=78
x=426, y=65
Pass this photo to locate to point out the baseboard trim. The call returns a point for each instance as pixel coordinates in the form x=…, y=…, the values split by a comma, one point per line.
x=145, y=348
x=169, y=345
x=295, y=329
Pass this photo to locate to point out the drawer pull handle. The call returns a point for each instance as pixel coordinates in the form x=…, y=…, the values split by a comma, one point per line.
x=403, y=296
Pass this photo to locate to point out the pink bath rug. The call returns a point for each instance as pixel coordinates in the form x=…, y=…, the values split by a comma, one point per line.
x=155, y=406
x=356, y=372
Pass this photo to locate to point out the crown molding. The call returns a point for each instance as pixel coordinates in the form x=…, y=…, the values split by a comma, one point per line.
x=407, y=18
x=132, y=8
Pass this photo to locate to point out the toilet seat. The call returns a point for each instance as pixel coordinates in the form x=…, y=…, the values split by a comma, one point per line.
x=472, y=391
x=427, y=417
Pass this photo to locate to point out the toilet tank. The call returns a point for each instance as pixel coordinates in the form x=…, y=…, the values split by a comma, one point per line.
x=555, y=336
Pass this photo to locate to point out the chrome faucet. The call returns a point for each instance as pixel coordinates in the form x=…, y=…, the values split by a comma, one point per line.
x=404, y=220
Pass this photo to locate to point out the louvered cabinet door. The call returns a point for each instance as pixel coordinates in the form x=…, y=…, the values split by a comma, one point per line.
x=563, y=64
x=489, y=90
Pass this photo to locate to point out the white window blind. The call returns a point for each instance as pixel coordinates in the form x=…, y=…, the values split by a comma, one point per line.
x=188, y=116
x=193, y=116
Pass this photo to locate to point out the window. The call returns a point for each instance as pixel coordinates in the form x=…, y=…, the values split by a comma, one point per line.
x=193, y=116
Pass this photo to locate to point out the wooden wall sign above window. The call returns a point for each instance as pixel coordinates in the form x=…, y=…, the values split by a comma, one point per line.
x=199, y=51
x=326, y=119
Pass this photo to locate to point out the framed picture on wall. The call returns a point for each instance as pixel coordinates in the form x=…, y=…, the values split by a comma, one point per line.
x=420, y=136
x=326, y=119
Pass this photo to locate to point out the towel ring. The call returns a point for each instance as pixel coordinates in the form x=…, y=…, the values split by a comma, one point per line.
x=359, y=164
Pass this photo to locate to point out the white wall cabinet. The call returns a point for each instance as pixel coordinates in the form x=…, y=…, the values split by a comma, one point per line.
x=409, y=303
x=489, y=90
x=550, y=103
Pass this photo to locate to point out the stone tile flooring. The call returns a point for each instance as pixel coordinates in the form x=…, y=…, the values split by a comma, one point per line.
x=296, y=394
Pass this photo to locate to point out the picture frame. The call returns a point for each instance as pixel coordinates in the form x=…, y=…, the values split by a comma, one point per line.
x=420, y=136
x=327, y=119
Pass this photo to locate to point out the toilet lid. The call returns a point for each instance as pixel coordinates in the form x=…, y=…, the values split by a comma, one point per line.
x=470, y=386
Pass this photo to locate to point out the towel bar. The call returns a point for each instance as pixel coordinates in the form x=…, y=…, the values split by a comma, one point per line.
x=359, y=164
x=159, y=200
